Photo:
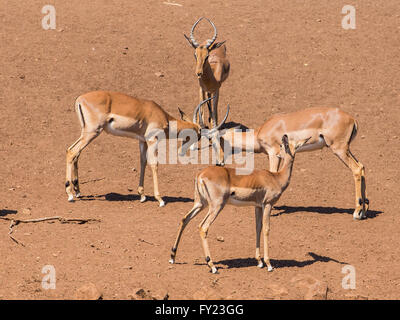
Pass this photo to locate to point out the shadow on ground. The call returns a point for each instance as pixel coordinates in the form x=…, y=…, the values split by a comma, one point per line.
x=322, y=210
x=5, y=212
x=251, y=262
x=132, y=197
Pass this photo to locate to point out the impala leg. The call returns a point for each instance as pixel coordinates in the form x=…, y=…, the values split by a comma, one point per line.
x=358, y=170
x=202, y=96
x=197, y=208
x=259, y=223
x=152, y=157
x=143, y=164
x=73, y=153
x=203, y=228
x=266, y=227
x=214, y=110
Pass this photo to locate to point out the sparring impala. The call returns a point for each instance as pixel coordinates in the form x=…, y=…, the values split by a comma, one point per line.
x=327, y=127
x=122, y=115
x=212, y=69
x=217, y=186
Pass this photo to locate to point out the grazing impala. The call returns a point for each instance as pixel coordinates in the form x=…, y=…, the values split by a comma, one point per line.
x=327, y=127
x=217, y=186
x=212, y=69
x=122, y=115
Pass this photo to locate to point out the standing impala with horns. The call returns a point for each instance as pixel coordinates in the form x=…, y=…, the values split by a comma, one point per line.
x=327, y=127
x=212, y=69
x=122, y=115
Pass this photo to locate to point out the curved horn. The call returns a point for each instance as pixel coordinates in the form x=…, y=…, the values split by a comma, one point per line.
x=197, y=110
x=211, y=41
x=195, y=43
x=221, y=124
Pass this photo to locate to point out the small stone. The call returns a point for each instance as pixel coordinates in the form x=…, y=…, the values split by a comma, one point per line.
x=354, y=296
x=220, y=238
x=26, y=211
x=159, y=74
x=88, y=291
x=127, y=267
x=141, y=294
x=206, y=294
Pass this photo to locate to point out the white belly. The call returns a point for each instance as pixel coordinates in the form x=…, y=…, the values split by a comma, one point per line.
x=240, y=203
x=313, y=146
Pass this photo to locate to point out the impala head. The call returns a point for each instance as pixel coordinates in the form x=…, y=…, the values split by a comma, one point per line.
x=199, y=127
x=202, y=52
x=290, y=147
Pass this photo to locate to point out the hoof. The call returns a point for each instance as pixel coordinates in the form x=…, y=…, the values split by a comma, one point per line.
x=214, y=270
x=260, y=265
x=171, y=261
x=78, y=195
x=270, y=268
x=360, y=216
x=142, y=198
x=162, y=203
x=71, y=198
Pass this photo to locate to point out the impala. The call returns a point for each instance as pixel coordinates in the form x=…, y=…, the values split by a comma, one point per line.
x=217, y=186
x=327, y=127
x=212, y=69
x=122, y=115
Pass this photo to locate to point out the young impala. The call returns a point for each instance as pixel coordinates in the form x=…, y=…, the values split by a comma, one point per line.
x=212, y=69
x=327, y=127
x=122, y=115
x=217, y=186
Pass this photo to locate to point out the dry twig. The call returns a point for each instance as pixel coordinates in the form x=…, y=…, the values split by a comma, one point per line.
x=15, y=222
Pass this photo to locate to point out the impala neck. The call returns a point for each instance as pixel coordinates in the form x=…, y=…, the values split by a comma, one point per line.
x=207, y=72
x=285, y=173
x=240, y=140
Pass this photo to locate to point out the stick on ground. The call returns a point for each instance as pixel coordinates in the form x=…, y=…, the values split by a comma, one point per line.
x=15, y=222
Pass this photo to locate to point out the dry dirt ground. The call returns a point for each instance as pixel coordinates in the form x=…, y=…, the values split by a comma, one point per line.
x=285, y=56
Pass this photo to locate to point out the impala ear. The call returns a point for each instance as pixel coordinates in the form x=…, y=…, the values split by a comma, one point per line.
x=190, y=41
x=184, y=117
x=216, y=45
x=285, y=142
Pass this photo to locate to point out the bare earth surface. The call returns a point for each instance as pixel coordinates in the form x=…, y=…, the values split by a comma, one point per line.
x=285, y=55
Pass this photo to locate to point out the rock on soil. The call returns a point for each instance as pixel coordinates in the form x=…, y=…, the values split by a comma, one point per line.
x=88, y=291
x=315, y=289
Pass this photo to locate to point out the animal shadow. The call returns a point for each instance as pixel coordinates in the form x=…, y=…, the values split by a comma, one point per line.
x=251, y=262
x=5, y=212
x=132, y=197
x=323, y=210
